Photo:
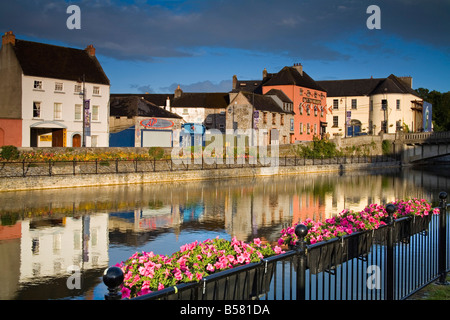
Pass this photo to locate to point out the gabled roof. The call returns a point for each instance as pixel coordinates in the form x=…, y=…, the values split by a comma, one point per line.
x=366, y=87
x=291, y=76
x=263, y=102
x=159, y=99
x=280, y=94
x=50, y=61
x=135, y=106
x=213, y=100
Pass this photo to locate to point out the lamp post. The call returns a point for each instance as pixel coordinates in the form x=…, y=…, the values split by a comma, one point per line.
x=84, y=112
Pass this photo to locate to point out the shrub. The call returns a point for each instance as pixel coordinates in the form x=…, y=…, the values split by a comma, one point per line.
x=156, y=152
x=9, y=153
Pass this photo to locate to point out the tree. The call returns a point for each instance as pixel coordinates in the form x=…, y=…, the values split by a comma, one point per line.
x=441, y=107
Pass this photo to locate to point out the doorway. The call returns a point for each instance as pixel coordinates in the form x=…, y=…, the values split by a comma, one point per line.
x=76, y=141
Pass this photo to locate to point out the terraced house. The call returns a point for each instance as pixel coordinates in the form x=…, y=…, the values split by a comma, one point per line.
x=52, y=96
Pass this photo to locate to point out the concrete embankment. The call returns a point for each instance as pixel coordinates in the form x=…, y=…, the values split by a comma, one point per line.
x=88, y=180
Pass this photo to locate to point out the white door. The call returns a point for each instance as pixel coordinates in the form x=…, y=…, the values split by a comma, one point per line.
x=157, y=139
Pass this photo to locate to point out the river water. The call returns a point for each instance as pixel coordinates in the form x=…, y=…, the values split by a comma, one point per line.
x=55, y=244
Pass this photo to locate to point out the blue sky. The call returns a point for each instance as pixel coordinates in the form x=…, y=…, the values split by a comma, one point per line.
x=152, y=46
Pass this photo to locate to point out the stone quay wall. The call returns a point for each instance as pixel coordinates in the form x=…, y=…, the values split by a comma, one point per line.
x=107, y=179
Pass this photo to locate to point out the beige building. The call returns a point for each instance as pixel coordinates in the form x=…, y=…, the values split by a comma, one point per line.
x=273, y=110
x=372, y=106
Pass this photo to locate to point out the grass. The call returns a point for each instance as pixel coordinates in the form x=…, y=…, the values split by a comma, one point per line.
x=433, y=292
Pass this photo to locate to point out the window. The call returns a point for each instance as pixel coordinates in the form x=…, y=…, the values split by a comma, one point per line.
x=315, y=111
x=300, y=108
x=398, y=125
x=398, y=104
x=335, y=121
x=301, y=91
x=371, y=105
x=301, y=128
x=282, y=119
x=308, y=129
x=265, y=117
x=78, y=108
x=321, y=112
x=59, y=86
x=274, y=118
x=96, y=91
x=354, y=104
x=384, y=104
x=315, y=128
x=77, y=88
x=36, y=109
x=185, y=111
x=308, y=111
x=38, y=85
x=95, y=113
x=57, y=111
x=335, y=104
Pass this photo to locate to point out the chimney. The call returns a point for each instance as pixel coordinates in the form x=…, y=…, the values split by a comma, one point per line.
x=168, y=104
x=235, y=79
x=264, y=73
x=178, y=92
x=90, y=50
x=9, y=37
x=407, y=81
x=299, y=68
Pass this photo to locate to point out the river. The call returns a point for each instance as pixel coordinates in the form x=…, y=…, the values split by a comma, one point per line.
x=55, y=244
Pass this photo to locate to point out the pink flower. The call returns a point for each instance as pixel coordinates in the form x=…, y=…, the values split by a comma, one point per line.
x=125, y=293
x=257, y=241
x=160, y=286
x=210, y=267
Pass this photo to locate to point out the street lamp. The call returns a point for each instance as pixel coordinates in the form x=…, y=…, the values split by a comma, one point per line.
x=83, y=110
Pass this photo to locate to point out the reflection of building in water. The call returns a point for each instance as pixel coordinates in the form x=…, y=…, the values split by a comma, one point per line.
x=50, y=247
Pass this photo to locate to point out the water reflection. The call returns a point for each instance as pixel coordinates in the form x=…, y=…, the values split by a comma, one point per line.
x=45, y=234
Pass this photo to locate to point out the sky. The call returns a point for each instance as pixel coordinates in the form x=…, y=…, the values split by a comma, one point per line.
x=154, y=46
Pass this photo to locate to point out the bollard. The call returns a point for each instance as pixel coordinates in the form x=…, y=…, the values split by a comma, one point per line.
x=442, y=245
x=301, y=231
x=390, y=209
x=113, y=278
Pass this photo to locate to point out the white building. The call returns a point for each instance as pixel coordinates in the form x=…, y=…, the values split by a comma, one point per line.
x=373, y=106
x=41, y=95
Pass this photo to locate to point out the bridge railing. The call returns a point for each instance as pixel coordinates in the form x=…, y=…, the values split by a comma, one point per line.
x=422, y=136
x=389, y=263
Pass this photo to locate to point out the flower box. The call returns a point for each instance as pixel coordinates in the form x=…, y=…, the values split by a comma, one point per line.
x=214, y=269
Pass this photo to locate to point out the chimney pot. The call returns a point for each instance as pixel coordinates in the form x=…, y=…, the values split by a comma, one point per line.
x=299, y=68
x=9, y=37
x=90, y=50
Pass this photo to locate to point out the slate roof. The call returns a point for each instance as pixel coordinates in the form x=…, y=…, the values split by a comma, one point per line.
x=291, y=76
x=263, y=102
x=280, y=94
x=158, y=99
x=50, y=61
x=214, y=100
x=136, y=106
x=366, y=87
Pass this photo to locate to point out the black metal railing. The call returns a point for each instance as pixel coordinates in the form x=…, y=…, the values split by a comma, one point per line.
x=27, y=168
x=389, y=263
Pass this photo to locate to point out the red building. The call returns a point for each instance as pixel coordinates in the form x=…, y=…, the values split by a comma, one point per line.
x=308, y=97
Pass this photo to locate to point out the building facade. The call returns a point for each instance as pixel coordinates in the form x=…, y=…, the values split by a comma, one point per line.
x=307, y=96
x=52, y=96
x=373, y=106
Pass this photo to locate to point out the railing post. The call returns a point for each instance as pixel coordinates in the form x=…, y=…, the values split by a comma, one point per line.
x=113, y=278
x=389, y=294
x=301, y=231
x=442, y=246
